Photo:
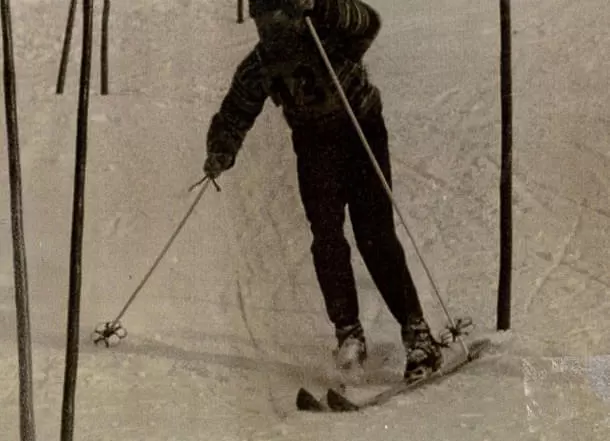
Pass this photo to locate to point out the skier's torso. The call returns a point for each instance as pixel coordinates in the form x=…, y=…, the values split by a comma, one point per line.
x=297, y=79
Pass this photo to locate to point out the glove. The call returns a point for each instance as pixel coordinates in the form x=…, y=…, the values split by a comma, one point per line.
x=216, y=163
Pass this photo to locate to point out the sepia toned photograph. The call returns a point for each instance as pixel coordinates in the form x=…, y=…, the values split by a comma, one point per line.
x=305, y=220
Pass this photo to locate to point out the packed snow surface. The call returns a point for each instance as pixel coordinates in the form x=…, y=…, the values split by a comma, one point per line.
x=232, y=323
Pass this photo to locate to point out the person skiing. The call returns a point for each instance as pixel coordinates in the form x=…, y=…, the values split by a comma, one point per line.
x=333, y=168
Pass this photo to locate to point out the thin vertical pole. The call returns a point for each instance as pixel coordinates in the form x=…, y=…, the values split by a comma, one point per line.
x=65, y=53
x=72, y=346
x=240, y=11
x=504, y=284
x=104, y=50
x=24, y=340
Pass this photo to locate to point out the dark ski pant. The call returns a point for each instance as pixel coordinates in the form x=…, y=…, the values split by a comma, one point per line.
x=335, y=172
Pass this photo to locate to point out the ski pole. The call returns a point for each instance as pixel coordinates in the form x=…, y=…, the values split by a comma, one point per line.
x=388, y=190
x=105, y=331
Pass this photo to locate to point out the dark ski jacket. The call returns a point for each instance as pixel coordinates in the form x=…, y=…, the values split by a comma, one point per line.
x=296, y=78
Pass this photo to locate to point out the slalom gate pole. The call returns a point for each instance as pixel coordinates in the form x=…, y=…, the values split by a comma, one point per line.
x=73, y=334
x=24, y=338
x=240, y=11
x=65, y=53
x=104, y=48
x=504, y=283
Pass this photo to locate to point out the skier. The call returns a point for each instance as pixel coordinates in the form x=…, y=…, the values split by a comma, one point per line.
x=334, y=170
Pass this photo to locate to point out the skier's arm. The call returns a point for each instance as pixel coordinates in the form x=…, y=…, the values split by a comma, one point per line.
x=239, y=109
x=356, y=20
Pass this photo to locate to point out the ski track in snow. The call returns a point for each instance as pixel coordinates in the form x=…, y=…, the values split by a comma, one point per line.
x=231, y=323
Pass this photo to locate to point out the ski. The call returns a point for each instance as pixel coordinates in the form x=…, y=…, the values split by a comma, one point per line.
x=337, y=402
x=307, y=402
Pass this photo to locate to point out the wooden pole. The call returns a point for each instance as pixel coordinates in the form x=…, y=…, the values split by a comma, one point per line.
x=72, y=346
x=65, y=53
x=240, y=11
x=24, y=339
x=504, y=284
x=104, y=50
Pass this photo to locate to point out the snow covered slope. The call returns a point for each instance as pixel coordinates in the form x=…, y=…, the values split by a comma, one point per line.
x=232, y=321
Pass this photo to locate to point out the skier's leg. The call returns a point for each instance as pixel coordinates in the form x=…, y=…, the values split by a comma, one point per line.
x=371, y=212
x=321, y=165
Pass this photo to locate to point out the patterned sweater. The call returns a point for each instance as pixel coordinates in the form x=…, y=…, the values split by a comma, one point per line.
x=296, y=77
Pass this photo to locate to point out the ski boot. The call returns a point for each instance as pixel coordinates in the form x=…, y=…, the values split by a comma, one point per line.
x=351, y=349
x=423, y=352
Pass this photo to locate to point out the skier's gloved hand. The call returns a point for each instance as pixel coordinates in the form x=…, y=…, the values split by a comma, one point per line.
x=216, y=163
